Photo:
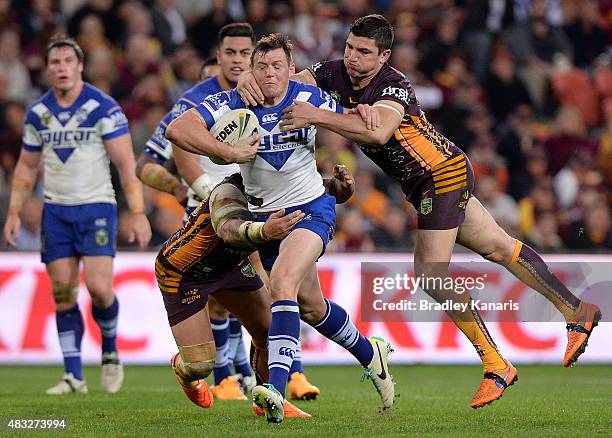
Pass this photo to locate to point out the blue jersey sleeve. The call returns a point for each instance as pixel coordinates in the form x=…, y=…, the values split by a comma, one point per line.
x=113, y=121
x=31, y=140
x=158, y=147
x=215, y=106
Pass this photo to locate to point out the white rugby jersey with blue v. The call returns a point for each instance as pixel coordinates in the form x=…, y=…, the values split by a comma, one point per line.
x=284, y=172
x=71, y=140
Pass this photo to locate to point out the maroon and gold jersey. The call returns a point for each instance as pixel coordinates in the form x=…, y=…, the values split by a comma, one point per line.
x=416, y=150
x=197, y=251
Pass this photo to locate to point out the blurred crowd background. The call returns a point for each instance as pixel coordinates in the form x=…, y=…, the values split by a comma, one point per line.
x=524, y=87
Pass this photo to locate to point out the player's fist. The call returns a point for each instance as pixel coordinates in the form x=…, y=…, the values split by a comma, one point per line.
x=139, y=230
x=11, y=229
x=342, y=185
x=278, y=226
x=298, y=115
x=245, y=149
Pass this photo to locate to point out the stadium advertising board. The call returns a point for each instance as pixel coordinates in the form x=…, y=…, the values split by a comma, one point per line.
x=27, y=318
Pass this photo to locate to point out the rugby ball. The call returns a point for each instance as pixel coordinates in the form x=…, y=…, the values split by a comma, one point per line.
x=234, y=126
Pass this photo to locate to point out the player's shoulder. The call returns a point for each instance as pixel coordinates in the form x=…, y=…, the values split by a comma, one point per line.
x=334, y=65
x=229, y=98
x=201, y=90
x=307, y=90
x=92, y=92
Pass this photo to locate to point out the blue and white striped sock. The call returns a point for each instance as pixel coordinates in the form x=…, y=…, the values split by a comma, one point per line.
x=237, y=352
x=106, y=318
x=283, y=339
x=222, y=369
x=337, y=326
x=70, y=331
x=296, y=366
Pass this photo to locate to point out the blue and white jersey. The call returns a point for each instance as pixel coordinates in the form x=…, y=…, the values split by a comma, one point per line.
x=72, y=144
x=159, y=148
x=284, y=172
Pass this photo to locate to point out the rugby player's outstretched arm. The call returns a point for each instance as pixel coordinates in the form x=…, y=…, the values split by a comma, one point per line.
x=189, y=132
x=352, y=126
x=24, y=178
x=248, y=233
x=156, y=176
x=120, y=151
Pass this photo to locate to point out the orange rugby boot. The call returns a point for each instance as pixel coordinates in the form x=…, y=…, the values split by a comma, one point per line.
x=299, y=388
x=197, y=391
x=494, y=384
x=579, y=329
x=291, y=411
x=228, y=389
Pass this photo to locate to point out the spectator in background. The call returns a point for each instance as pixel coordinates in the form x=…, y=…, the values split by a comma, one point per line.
x=544, y=236
x=501, y=206
x=20, y=87
x=42, y=21
x=505, y=90
x=101, y=70
x=477, y=129
x=588, y=38
x=394, y=234
x=258, y=17
x=486, y=161
x=333, y=149
x=352, y=234
x=437, y=52
x=534, y=46
x=169, y=26
x=10, y=137
x=186, y=66
x=148, y=92
x=579, y=173
x=91, y=34
x=203, y=32
x=104, y=10
x=568, y=138
x=367, y=199
x=8, y=18
x=137, y=62
x=405, y=58
x=594, y=233
x=541, y=199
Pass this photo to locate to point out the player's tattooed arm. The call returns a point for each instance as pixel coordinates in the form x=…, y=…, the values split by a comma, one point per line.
x=24, y=178
x=189, y=132
x=352, y=126
x=156, y=176
x=341, y=185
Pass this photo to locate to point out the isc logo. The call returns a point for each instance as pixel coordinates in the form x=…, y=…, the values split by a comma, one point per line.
x=286, y=351
x=269, y=118
x=295, y=136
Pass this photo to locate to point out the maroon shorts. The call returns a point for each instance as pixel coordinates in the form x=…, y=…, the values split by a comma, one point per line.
x=442, y=196
x=184, y=295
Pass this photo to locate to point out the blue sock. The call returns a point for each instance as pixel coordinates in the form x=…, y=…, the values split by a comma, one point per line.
x=238, y=354
x=70, y=331
x=296, y=366
x=337, y=326
x=283, y=339
x=220, y=329
x=106, y=318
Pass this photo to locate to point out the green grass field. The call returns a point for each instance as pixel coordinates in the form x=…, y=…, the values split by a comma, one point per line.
x=434, y=400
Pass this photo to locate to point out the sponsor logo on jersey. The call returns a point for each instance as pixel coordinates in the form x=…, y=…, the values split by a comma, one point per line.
x=178, y=109
x=63, y=116
x=68, y=138
x=397, y=92
x=316, y=66
x=190, y=296
x=216, y=101
x=269, y=118
x=284, y=140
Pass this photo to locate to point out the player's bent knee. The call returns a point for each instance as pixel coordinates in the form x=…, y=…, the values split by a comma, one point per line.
x=283, y=288
x=64, y=293
x=198, y=360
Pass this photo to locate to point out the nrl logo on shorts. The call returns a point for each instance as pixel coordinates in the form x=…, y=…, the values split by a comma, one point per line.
x=426, y=205
x=102, y=237
x=248, y=270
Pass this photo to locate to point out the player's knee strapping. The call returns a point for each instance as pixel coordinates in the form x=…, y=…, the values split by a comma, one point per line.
x=64, y=293
x=197, y=361
x=529, y=267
